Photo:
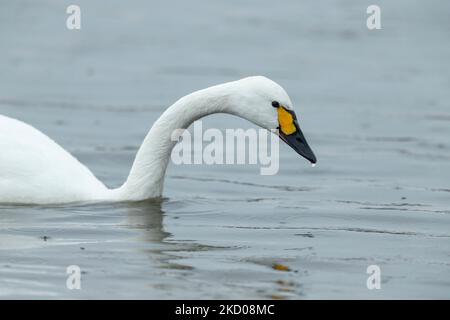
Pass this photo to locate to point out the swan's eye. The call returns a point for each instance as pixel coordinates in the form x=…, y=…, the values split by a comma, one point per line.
x=286, y=120
x=275, y=104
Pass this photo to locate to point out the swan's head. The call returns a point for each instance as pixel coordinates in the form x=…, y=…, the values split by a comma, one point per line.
x=265, y=103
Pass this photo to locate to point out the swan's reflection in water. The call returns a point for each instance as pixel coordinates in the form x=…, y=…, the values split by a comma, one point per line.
x=126, y=250
x=122, y=248
x=148, y=217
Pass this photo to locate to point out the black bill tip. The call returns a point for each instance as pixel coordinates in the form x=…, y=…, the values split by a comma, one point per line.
x=298, y=142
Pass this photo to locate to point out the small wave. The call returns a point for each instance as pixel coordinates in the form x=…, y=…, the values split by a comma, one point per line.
x=283, y=188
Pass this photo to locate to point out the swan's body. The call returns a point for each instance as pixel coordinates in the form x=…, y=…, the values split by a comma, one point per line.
x=36, y=170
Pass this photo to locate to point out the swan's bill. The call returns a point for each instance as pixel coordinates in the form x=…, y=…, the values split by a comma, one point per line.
x=289, y=132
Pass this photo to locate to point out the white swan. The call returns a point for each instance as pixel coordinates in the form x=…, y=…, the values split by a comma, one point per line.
x=36, y=170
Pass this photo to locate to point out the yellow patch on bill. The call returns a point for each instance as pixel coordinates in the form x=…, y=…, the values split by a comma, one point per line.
x=286, y=121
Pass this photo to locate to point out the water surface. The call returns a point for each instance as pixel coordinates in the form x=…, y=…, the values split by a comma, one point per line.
x=373, y=104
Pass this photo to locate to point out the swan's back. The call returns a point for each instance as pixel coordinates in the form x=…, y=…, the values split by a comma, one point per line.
x=35, y=169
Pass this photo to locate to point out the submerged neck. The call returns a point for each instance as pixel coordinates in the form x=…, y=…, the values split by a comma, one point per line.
x=146, y=178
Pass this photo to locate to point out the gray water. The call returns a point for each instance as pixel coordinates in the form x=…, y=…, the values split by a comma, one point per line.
x=374, y=106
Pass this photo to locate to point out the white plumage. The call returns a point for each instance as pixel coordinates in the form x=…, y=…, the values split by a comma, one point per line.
x=36, y=170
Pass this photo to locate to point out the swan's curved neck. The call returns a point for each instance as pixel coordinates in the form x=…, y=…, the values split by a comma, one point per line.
x=146, y=178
